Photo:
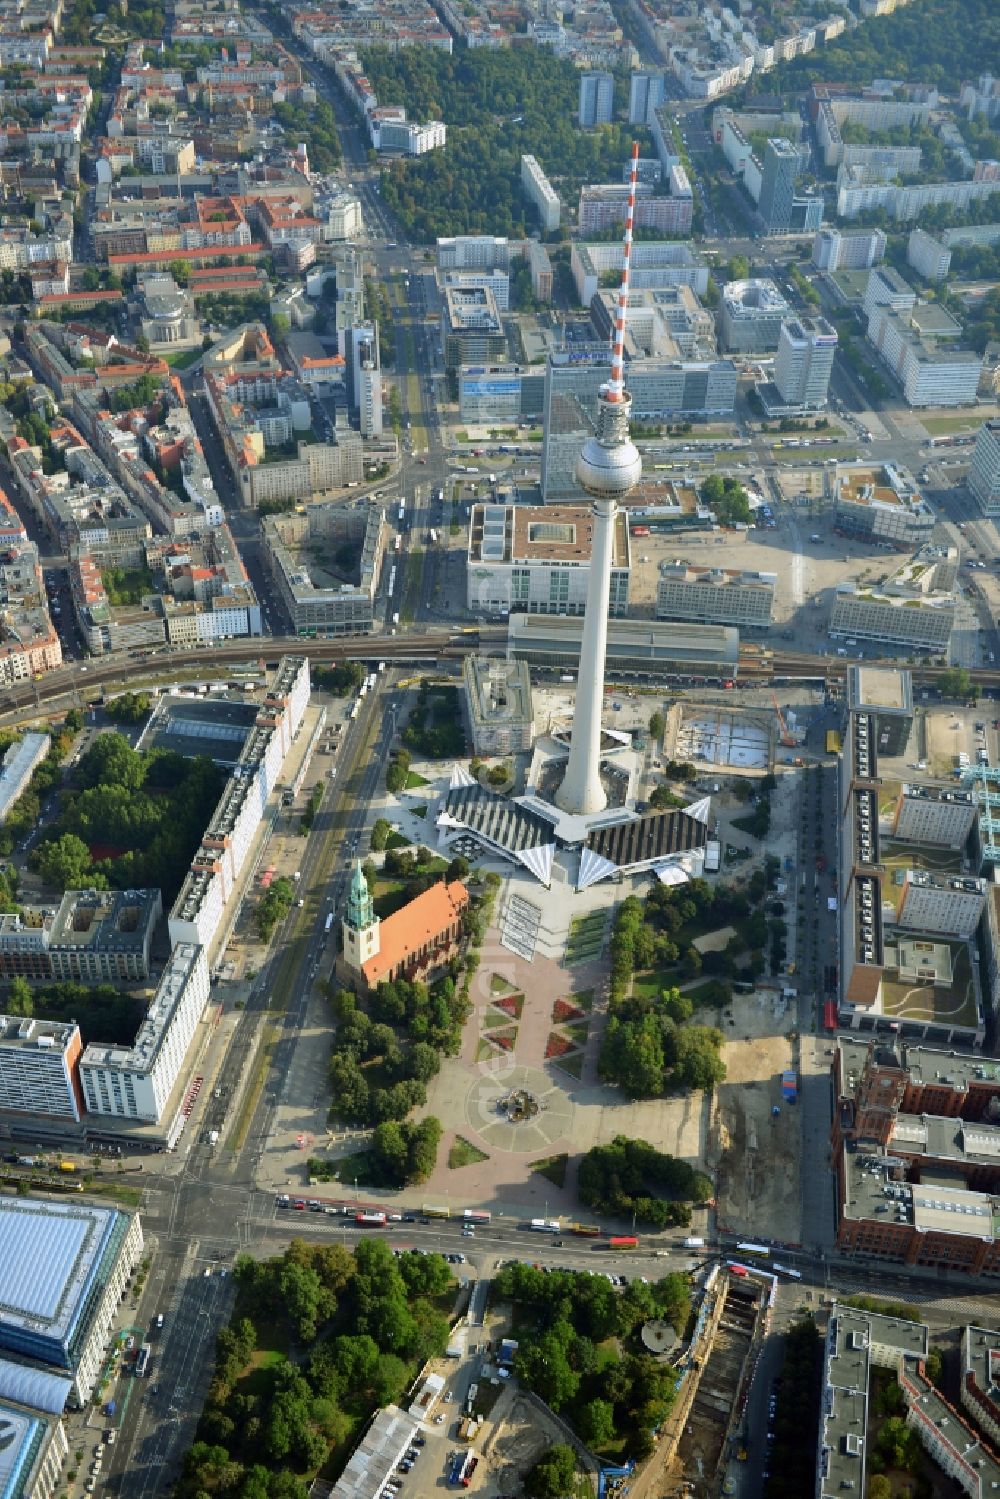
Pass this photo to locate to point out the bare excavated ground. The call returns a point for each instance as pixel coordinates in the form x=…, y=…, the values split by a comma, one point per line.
x=755, y=1154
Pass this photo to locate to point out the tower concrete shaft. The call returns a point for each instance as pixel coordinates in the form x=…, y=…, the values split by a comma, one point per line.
x=608, y=467
x=580, y=791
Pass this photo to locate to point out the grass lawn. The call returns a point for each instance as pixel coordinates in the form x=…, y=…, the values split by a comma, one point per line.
x=584, y=998
x=943, y=426
x=578, y=1030
x=183, y=360
x=464, y=1153
x=575, y=956
x=553, y=1168
x=414, y=781
x=573, y=1064
x=495, y=1022
x=396, y=840
x=649, y=985
x=129, y=1197
x=485, y=1049
x=499, y=985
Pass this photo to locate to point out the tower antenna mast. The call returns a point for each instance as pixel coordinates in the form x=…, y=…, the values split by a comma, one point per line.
x=616, y=386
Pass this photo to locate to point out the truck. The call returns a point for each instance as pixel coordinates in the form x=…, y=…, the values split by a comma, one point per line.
x=370, y=1220
x=67, y=1167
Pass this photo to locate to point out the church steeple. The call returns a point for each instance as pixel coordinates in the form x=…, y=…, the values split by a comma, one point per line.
x=360, y=909
x=360, y=926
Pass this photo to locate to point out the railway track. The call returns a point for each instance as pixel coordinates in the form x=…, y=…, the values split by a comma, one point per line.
x=757, y=665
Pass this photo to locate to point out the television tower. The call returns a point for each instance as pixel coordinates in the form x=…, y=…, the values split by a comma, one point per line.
x=607, y=468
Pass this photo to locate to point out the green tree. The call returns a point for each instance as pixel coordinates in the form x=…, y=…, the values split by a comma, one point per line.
x=20, y=998
x=698, y=1064
x=553, y=1476
x=381, y=829
x=957, y=683
x=65, y=864
x=595, y=1423
x=544, y=1368
x=657, y=725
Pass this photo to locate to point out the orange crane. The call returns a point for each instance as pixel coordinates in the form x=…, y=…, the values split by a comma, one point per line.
x=787, y=739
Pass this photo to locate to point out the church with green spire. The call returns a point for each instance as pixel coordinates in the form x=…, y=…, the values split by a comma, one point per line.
x=416, y=942
x=360, y=925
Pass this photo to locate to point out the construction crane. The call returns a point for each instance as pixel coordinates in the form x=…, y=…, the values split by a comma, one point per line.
x=784, y=734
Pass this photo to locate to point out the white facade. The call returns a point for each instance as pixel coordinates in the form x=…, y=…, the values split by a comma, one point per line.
x=136, y=1082
x=474, y=252
x=984, y=475
x=804, y=362
x=541, y=193
x=940, y=907
x=18, y=766
x=927, y=255
x=497, y=280
x=36, y=1067
x=836, y=251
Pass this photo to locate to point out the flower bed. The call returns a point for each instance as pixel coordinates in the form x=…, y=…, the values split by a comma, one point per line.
x=563, y=1010
x=557, y=1045
x=511, y=1004
x=505, y=1039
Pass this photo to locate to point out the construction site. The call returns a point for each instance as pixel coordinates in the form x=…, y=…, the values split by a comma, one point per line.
x=755, y=1142
x=723, y=738
x=706, y=1426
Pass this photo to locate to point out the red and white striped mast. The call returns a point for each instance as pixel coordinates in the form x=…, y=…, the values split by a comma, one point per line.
x=615, y=390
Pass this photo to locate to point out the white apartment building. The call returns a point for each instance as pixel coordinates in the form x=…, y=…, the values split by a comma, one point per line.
x=923, y=624
x=918, y=345
x=540, y=192
x=934, y=816
x=947, y=906
x=38, y=1067
x=804, y=363
x=834, y=250
x=751, y=316
x=715, y=595
x=984, y=475
x=474, y=252
x=655, y=264
x=928, y=256
x=18, y=765
x=536, y=560
x=498, y=282
x=136, y=1082
x=886, y=288
x=408, y=137
x=882, y=503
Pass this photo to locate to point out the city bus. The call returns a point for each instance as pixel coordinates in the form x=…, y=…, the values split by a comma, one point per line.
x=142, y=1360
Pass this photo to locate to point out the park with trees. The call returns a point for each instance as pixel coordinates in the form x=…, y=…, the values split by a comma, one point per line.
x=319, y=1339
x=128, y=820
x=939, y=42
x=499, y=105
x=632, y=1179
x=580, y=1351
